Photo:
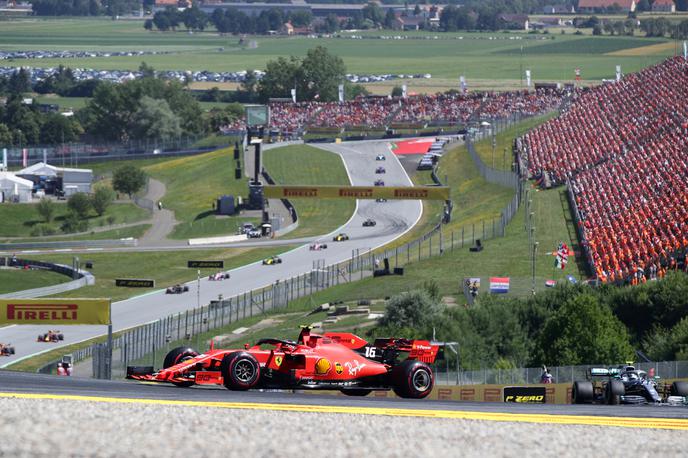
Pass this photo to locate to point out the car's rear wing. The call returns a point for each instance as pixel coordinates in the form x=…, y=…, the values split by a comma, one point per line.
x=603, y=372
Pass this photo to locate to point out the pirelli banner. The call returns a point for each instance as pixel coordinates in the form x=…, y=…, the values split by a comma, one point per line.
x=358, y=192
x=55, y=311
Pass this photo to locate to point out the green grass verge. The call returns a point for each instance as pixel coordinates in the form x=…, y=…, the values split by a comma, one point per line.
x=122, y=233
x=17, y=280
x=306, y=165
x=17, y=220
x=166, y=267
x=504, y=142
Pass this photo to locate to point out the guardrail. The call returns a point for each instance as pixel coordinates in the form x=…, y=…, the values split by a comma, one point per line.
x=83, y=278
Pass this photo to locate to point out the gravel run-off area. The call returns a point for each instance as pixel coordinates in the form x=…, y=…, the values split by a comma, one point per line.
x=62, y=428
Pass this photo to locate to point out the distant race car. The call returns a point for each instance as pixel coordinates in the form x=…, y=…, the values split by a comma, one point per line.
x=177, y=289
x=254, y=234
x=219, y=276
x=6, y=349
x=50, y=336
x=369, y=222
x=626, y=385
x=332, y=361
x=340, y=237
x=379, y=183
x=317, y=246
x=380, y=199
x=272, y=260
x=380, y=157
x=380, y=170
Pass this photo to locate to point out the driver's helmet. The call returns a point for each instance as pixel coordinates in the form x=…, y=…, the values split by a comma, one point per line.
x=632, y=376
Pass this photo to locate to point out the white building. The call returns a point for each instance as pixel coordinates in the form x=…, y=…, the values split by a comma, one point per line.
x=73, y=180
x=14, y=189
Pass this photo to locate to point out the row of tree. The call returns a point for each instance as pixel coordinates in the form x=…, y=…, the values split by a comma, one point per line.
x=653, y=27
x=87, y=7
x=569, y=325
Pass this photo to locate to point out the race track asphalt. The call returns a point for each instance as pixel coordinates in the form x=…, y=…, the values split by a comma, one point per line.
x=394, y=218
x=39, y=384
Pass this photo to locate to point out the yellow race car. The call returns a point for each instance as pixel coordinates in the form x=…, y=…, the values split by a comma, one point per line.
x=340, y=237
x=272, y=260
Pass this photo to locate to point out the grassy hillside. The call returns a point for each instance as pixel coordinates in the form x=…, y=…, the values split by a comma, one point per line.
x=303, y=164
x=17, y=280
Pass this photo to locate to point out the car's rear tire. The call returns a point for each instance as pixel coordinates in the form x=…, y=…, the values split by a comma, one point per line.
x=613, y=392
x=176, y=356
x=679, y=389
x=240, y=371
x=60, y=337
x=412, y=379
x=353, y=392
x=582, y=392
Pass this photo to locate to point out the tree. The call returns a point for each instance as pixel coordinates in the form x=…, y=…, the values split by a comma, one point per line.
x=46, y=209
x=390, y=19
x=301, y=18
x=583, y=331
x=280, y=77
x=321, y=73
x=373, y=12
x=148, y=24
x=248, y=85
x=397, y=91
x=58, y=129
x=416, y=10
x=154, y=119
x=128, y=180
x=162, y=21
x=409, y=314
x=80, y=204
x=5, y=135
x=194, y=19
x=19, y=82
x=101, y=199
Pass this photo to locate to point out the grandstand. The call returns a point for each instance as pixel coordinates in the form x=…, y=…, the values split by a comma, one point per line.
x=622, y=148
x=380, y=113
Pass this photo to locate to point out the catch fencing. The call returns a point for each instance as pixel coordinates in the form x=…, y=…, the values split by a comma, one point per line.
x=81, y=278
x=73, y=154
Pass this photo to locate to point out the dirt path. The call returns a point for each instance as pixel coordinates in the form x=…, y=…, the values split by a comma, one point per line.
x=163, y=221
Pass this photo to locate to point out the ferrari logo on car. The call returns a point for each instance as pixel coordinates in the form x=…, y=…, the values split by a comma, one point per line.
x=278, y=361
x=323, y=366
x=338, y=368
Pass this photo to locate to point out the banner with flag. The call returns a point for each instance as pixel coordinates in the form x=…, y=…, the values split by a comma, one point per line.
x=499, y=285
x=528, y=78
x=293, y=95
x=685, y=50
x=562, y=256
x=462, y=82
x=403, y=90
x=341, y=93
x=618, y=73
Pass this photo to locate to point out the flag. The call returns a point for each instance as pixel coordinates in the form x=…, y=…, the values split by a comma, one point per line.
x=341, y=93
x=685, y=50
x=403, y=90
x=562, y=256
x=550, y=283
x=618, y=73
x=499, y=285
x=578, y=74
x=528, y=78
x=293, y=95
x=462, y=82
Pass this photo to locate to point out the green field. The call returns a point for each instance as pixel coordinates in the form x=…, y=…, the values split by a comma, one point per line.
x=17, y=220
x=302, y=164
x=478, y=56
x=17, y=280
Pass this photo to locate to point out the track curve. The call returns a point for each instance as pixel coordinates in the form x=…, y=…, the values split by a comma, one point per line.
x=394, y=218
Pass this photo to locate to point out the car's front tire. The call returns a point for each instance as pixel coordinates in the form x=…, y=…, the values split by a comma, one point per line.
x=679, y=389
x=176, y=356
x=613, y=392
x=240, y=371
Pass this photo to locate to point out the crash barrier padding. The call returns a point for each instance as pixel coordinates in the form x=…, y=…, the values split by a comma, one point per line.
x=555, y=393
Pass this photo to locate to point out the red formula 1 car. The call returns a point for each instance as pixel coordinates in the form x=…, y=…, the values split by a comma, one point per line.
x=50, y=336
x=332, y=361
